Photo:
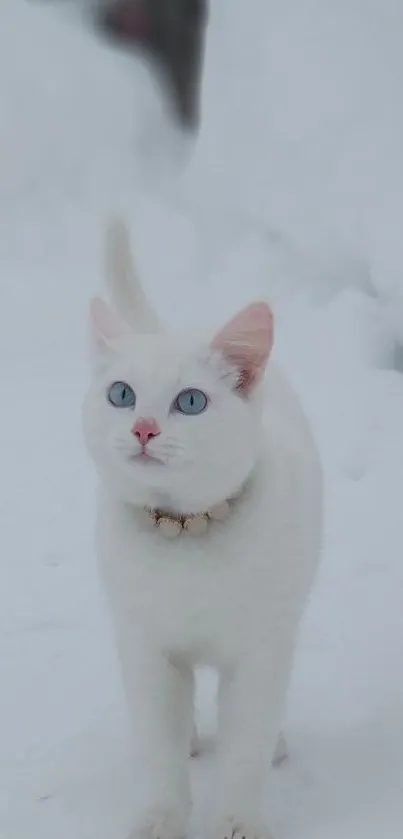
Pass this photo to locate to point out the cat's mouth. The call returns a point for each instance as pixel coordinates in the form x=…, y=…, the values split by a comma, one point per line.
x=145, y=457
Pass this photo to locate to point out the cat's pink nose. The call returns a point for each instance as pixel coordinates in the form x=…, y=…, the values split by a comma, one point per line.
x=145, y=428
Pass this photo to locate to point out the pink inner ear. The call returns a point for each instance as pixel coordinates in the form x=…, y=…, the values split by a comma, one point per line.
x=106, y=323
x=246, y=341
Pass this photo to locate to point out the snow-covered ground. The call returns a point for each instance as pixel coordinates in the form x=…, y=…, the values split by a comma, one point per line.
x=295, y=190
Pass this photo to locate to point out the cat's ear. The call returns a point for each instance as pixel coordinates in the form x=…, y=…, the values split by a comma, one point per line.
x=246, y=342
x=106, y=326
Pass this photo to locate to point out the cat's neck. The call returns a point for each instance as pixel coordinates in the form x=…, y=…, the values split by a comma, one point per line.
x=173, y=516
x=176, y=504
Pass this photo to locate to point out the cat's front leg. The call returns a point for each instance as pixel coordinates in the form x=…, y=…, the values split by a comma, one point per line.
x=251, y=701
x=160, y=696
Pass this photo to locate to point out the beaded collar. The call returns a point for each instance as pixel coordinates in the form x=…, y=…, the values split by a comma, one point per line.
x=171, y=525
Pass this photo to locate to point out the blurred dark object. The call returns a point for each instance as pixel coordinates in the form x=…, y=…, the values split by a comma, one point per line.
x=172, y=31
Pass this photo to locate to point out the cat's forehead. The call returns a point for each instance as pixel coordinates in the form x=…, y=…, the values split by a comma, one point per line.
x=162, y=359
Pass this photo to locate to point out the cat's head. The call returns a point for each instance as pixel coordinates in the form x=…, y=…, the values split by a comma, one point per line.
x=175, y=422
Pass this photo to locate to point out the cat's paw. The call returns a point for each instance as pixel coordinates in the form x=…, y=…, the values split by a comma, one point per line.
x=234, y=828
x=195, y=744
x=195, y=747
x=160, y=823
x=281, y=752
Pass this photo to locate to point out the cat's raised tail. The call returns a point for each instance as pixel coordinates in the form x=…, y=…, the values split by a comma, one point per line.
x=123, y=282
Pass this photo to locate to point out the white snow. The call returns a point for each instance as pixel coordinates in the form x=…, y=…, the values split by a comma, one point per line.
x=294, y=190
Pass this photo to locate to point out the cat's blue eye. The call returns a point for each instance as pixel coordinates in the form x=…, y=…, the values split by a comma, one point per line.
x=121, y=395
x=191, y=401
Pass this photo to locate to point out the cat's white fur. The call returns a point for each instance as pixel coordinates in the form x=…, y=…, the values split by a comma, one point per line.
x=231, y=598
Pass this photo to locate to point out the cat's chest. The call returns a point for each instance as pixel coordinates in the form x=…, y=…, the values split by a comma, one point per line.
x=189, y=594
x=187, y=570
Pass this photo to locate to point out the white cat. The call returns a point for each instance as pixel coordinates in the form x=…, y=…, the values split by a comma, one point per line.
x=194, y=439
